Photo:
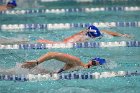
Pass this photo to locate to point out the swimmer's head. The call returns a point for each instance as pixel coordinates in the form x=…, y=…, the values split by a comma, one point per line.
x=11, y=4
x=96, y=61
x=93, y=32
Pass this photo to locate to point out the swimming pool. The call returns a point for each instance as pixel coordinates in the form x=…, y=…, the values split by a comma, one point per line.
x=120, y=58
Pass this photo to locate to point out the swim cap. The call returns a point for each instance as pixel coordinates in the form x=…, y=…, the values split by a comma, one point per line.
x=93, y=31
x=100, y=60
x=13, y=3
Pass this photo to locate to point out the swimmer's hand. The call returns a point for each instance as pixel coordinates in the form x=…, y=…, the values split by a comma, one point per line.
x=126, y=35
x=30, y=64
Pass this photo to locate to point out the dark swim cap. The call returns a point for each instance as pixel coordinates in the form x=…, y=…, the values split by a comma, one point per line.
x=100, y=60
x=13, y=3
x=93, y=31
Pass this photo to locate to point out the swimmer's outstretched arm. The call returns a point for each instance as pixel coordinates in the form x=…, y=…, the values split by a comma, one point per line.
x=115, y=34
x=66, y=40
x=68, y=59
x=3, y=7
x=46, y=41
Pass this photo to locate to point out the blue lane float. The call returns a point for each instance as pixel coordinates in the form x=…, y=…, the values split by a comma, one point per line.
x=86, y=45
x=133, y=44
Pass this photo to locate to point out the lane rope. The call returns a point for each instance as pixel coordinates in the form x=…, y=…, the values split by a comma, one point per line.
x=57, y=26
x=72, y=45
x=69, y=76
x=69, y=10
x=82, y=1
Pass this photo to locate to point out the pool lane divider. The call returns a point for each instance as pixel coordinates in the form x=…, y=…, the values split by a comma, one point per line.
x=82, y=1
x=68, y=76
x=71, y=10
x=72, y=45
x=59, y=26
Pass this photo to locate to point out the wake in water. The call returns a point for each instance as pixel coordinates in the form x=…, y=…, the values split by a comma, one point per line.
x=5, y=40
x=110, y=65
x=18, y=70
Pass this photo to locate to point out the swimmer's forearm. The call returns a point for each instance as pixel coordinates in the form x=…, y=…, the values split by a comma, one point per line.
x=3, y=8
x=47, y=56
x=116, y=34
x=112, y=33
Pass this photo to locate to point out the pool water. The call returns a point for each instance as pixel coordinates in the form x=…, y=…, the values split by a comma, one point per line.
x=119, y=58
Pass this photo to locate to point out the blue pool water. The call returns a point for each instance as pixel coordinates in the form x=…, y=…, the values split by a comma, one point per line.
x=119, y=58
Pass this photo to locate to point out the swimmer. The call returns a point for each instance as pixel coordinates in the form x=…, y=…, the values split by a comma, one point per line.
x=10, y=5
x=70, y=61
x=91, y=32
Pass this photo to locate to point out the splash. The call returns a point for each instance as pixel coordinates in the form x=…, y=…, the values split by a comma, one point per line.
x=110, y=64
x=18, y=70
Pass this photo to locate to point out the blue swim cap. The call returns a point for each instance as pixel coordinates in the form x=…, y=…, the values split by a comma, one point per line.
x=13, y=2
x=93, y=31
x=100, y=60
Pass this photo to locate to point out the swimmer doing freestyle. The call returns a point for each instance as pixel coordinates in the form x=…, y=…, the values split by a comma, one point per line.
x=91, y=32
x=69, y=60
